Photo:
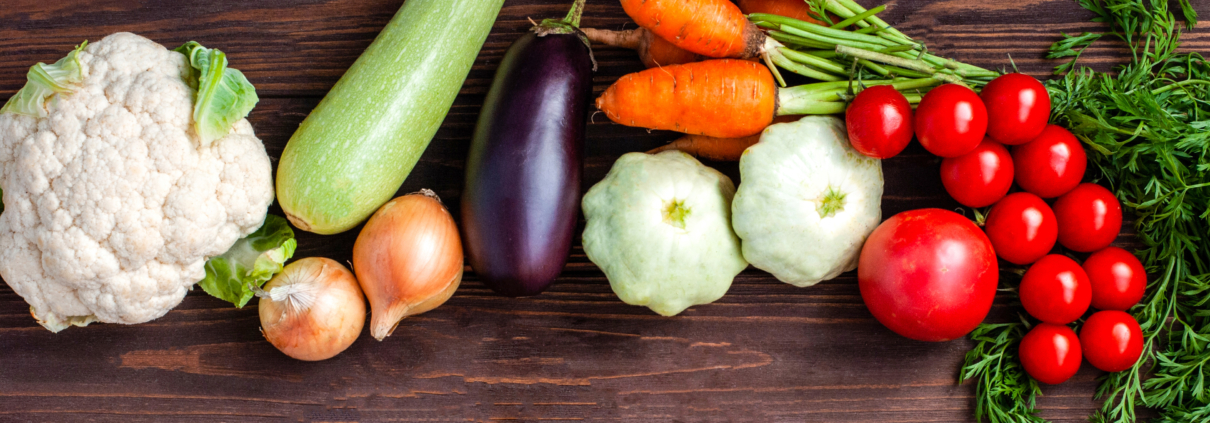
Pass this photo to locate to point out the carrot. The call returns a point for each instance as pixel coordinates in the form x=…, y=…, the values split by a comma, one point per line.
x=727, y=98
x=797, y=9
x=653, y=51
x=721, y=98
x=715, y=148
x=714, y=28
x=710, y=148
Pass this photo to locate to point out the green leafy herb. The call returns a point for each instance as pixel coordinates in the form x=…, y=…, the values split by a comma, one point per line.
x=1003, y=392
x=250, y=263
x=224, y=95
x=1067, y=47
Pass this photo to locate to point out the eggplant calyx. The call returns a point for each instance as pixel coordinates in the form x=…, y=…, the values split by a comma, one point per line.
x=569, y=25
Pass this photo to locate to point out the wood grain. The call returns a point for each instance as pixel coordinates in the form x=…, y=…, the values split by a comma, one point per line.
x=765, y=352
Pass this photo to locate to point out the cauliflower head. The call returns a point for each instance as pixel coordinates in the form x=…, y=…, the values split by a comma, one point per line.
x=113, y=203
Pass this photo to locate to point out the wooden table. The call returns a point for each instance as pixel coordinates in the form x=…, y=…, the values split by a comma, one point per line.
x=765, y=352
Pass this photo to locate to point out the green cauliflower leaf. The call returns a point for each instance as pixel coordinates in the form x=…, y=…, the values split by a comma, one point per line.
x=224, y=95
x=44, y=81
x=251, y=262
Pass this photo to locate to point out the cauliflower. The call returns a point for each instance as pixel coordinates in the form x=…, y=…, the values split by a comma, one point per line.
x=113, y=201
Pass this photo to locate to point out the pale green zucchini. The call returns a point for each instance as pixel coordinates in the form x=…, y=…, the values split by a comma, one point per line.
x=353, y=151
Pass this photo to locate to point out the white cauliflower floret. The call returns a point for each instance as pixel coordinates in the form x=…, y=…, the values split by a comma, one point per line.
x=112, y=202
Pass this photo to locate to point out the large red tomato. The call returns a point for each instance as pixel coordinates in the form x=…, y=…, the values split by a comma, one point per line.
x=928, y=274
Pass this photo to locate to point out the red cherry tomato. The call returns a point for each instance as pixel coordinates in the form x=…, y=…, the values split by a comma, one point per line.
x=1056, y=290
x=950, y=120
x=928, y=274
x=1090, y=218
x=1051, y=164
x=1050, y=353
x=1111, y=340
x=879, y=121
x=1118, y=279
x=1022, y=228
x=1017, y=108
x=981, y=177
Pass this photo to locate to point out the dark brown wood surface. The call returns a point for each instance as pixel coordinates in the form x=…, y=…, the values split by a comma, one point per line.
x=765, y=352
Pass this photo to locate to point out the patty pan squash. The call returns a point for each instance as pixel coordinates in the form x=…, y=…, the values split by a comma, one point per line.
x=659, y=226
x=807, y=202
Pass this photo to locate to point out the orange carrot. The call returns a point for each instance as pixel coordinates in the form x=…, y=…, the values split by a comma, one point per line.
x=714, y=28
x=710, y=148
x=715, y=148
x=720, y=98
x=796, y=9
x=653, y=51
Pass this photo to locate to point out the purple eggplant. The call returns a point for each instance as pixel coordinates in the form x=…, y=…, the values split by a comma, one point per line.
x=522, y=196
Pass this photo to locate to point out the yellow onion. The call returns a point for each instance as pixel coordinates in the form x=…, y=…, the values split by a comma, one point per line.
x=312, y=310
x=408, y=259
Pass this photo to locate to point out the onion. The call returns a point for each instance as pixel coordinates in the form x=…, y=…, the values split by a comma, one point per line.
x=312, y=310
x=408, y=259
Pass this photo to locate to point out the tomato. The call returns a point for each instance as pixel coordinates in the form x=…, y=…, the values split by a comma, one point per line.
x=1018, y=107
x=1050, y=353
x=879, y=121
x=928, y=274
x=1118, y=279
x=1112, y=340
x=950, y=120
x=981, y=177
x=1056, y=290
x=1051, y=164
x=1022, y=228
x=1090, y=218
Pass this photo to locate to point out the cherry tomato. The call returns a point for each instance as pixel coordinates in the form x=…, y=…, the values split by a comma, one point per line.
x=1050, y=353
x=1017, y=108
x=950, y=120
x=879, y=122
x=928, y=274
x=1118, y=279
x=1051, y=164
x=1090, y=218
x=1112, y=340
x=1056, y=290
x=1022, y=228
x=981, y=177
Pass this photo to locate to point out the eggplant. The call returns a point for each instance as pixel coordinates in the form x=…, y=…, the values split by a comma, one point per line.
x=522, y=196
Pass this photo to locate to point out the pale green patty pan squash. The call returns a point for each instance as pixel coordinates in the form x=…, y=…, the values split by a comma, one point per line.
x=659, y=226
x=807, y=201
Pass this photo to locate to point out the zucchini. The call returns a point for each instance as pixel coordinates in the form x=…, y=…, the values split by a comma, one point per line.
x=353, y=152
